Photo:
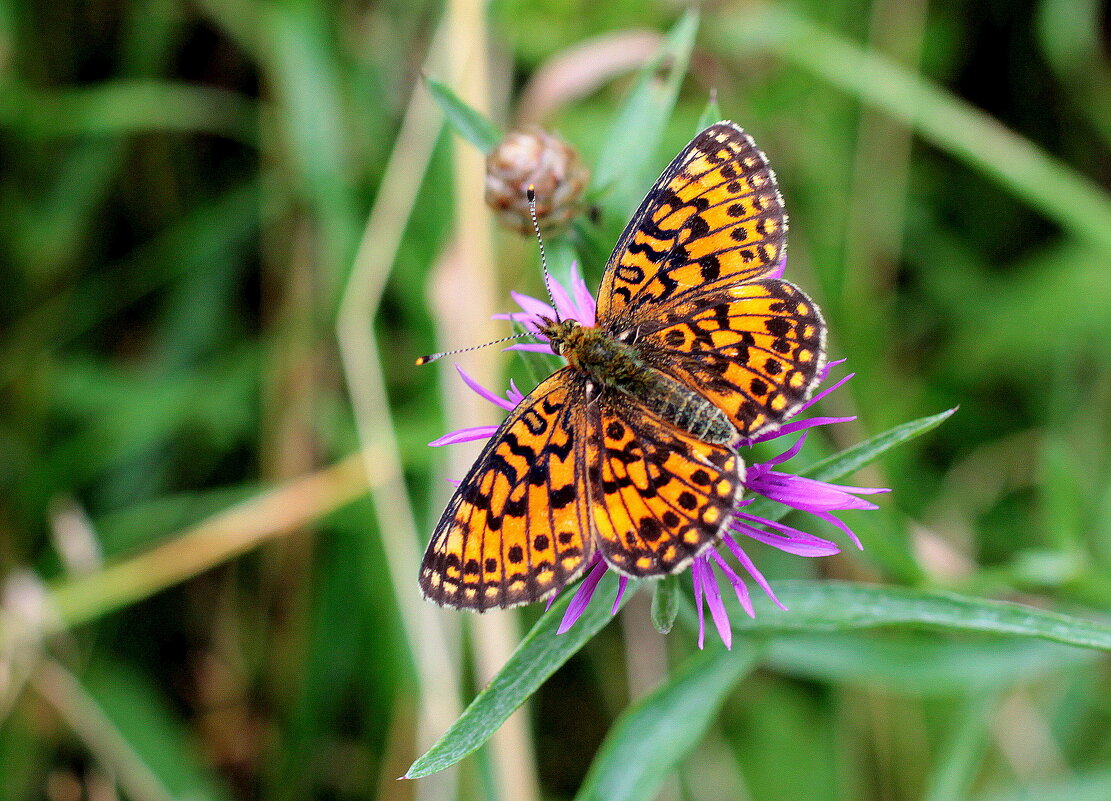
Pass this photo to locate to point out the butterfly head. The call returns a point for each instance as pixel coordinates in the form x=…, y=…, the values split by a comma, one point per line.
x=562, y=335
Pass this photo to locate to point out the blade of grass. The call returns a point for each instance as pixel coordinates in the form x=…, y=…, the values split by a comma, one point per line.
x=652, y=737
x=222, y=537
x=469, y=123
x=840, y=606
x=119, y=107
x=854, y=458
x=1044, y=182
x=538, y=656
x=920, y=664
x=622, y=173
x=961, y=756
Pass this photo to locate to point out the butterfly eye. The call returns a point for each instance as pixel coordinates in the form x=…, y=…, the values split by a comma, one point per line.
x=557, y=347
x=628, y=336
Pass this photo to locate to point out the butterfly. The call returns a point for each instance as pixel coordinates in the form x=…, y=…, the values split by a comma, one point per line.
x=631, y=450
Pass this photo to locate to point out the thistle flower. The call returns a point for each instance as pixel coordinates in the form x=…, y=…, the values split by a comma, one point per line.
x=534, y=157
x=818, y=498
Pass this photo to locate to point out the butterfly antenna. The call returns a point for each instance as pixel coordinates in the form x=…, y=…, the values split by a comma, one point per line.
x=434, y=356
x=530, y=193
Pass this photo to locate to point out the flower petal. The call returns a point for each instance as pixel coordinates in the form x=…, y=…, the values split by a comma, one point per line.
x=808, y=494
x=717, y=607
x=563, y=303
x=798, y=425
x=777, y=271
x=464, y=435
x=621, y=585
x=738, y=583
x=841, y=524
x=747, y=564
x=791, y=541
x=840, y=383
x=532, y=306
x=696, y=577
x=583, y=595
x=532, y=347
x=584, y=301
x=482, y=392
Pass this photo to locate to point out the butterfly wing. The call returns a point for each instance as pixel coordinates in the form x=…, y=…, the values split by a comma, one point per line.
x=658, y=495
x=754, y=349
x=518, y=527
x=714, y=217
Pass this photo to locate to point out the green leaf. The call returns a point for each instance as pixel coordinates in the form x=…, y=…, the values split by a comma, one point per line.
x=624, y=172
x=838, y=606
x=665, y=603
x=472, y=125
x=852, y=459
x=710, y=114
x=917, y=663
x=653, y=736
x=538, y=656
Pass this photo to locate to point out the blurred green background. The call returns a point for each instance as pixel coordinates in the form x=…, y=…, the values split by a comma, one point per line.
x=229, y=226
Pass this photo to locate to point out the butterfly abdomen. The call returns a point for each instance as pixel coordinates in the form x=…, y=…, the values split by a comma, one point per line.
x=680, y=405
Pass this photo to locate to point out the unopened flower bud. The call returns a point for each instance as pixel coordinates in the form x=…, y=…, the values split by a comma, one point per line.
x=534, y=156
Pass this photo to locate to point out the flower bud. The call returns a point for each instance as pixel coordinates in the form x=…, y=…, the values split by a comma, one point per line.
x=534, y=156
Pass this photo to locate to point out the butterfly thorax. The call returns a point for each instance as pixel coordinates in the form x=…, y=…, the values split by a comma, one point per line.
x=615, y=362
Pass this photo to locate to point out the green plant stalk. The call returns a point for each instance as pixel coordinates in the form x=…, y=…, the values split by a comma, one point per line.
x=974, y=137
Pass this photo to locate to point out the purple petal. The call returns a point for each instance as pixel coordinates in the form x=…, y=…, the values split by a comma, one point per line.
x=564, y=306
x=533, y=307
x=788, y=454
x=823, y=393
x=757, y=470
x=738, y=583
x=824, y=374
x=717, y=607
x=696, y=577
x=829, y=518
x=584, y=301
x=513, y=393
x=582, y=597
x=464, y=435
x=747, y=564
x=455, y=482
x=777, y=271
x=483, y=392
x=808, y=494
x=798, y=425
x=532, y=348
x=797, y=542
x=621, y=585
x=530, y=323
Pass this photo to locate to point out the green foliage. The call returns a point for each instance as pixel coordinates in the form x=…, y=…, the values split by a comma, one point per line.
x=184, y=200
x=467, y=122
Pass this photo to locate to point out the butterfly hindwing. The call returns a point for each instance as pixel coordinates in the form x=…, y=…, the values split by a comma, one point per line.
x=658, y=495
x=714, y=216
x=754, y=350
x=518, y=528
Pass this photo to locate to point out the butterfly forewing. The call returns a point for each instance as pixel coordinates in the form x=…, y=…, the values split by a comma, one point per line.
x=753, y=349
x=714, y=216
x=659, y=496
x=518, y=527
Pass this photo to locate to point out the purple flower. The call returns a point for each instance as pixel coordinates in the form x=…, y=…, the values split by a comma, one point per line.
x=818, y=498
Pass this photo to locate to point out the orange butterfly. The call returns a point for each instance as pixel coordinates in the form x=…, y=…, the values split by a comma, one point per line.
x=631, y=449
